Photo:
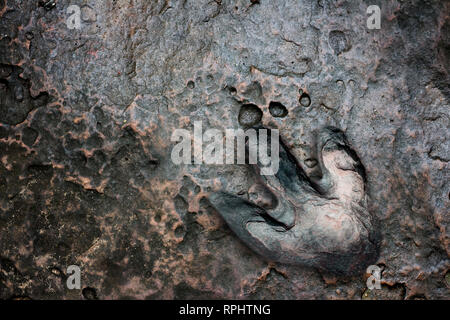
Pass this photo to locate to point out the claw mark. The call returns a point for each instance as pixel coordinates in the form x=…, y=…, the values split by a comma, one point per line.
x=319, y=223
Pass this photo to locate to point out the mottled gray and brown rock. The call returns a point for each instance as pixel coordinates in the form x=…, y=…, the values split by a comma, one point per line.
x=86, y=117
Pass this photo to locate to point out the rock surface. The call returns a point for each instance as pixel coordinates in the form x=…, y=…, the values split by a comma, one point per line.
x=86, y=117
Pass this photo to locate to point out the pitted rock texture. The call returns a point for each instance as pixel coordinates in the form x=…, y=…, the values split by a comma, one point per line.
x=86, y=118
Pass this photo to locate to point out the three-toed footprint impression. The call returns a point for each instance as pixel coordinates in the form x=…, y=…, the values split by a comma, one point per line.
x=318, y=222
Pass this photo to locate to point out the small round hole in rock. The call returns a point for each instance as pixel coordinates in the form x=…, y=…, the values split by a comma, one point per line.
x=89, y=293
x=250, y=115
x=232, y=90
x=191, y=84
x=305, y=100
x=277, y=109
x=179, y=231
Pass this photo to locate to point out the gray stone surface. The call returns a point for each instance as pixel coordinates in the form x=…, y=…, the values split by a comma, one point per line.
x=86, y=118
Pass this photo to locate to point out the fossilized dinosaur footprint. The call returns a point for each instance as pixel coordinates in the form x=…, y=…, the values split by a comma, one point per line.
x=322, y=223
